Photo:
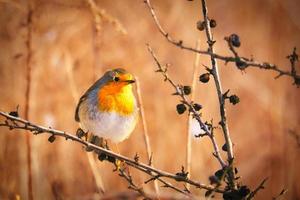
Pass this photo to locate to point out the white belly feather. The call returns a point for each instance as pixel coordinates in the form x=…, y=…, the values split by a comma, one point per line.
x=108, y=125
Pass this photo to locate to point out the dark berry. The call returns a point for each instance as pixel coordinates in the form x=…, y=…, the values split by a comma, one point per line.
x=212, y=23
x=219, y=173
x=224, y=147
x=80, y=133
x=197, y=106
x=102, y=157
x=241, y=64
x=200, y=25
x=111, y=159
x=244, y=191
x=180, y=108
x=234, y=39
x=51, y=138
x=187, y=89
x=214, y=180
x=14, y=113
x=234, y=99
x=204, y=78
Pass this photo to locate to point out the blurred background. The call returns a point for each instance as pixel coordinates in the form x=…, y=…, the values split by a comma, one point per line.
x=68, y=53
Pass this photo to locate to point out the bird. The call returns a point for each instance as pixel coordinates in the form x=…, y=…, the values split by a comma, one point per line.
x=108, y=109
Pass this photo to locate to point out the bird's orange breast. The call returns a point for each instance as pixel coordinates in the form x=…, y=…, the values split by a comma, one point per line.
x=117, y=98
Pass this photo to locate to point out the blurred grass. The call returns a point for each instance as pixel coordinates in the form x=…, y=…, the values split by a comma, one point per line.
x=63, y=36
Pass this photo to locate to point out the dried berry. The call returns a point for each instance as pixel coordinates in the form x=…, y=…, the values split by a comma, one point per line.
x=111, y=159
x=51, y=138
x=187, y=89
x=232, y=195
x=219, y=173
x=214, y=180
x=80, y=133
x=234, y=39
x=244, y=191
x=181, y=175
x=234, y=99
x=224, y=147
x=14, y=113
x=102, y=157
x=212, y=23
x=241, y=64
x=200, y=25
x=197, y=106
x=89, y=148
x=204, y=78
x=180, y=108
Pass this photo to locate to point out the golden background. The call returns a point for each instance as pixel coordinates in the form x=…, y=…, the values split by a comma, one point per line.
x=68, y=55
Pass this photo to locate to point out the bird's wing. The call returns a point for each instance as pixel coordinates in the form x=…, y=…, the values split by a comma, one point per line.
x=97, y=84
x=83, y=98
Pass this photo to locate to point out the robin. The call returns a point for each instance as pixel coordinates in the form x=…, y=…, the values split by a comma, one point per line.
x=108, y=109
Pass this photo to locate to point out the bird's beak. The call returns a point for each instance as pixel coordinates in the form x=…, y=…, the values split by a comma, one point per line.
x=130, y=81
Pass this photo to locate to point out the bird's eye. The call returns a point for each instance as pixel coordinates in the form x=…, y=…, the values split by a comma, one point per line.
x=116, y=79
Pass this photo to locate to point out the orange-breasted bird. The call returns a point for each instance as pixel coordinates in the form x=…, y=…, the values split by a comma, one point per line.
x=108, y=109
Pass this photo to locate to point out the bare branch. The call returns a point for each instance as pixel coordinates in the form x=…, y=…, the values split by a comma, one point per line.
x=283, y=192
x=184, y=100
x=261, y=186
x=132, y=185
x=247, y=62
x=13, y=122
x=215, y=74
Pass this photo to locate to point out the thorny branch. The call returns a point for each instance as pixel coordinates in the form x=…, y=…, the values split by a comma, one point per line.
x=12, y=121
x=179, y=91
x=221, y=98
x=241, y=63
x=132, y=185
x=238, y=60
x=283, y=192
x=261, y=186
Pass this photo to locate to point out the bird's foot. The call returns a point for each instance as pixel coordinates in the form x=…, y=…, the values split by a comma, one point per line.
x=80, y=133
x=96, y=141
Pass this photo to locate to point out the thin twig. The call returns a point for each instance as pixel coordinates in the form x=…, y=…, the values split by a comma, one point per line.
x=19, y=123
x=216, y=76
x=189, y=104
x=282, y=192
x=215, y=73
x=127, y=176
x=259, y=187
x=145, y=129
x=246, y=61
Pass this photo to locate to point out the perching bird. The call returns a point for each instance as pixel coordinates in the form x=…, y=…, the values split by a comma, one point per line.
x=108, y=109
